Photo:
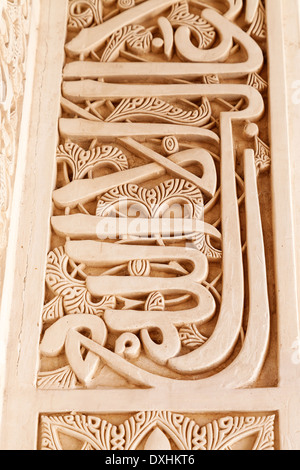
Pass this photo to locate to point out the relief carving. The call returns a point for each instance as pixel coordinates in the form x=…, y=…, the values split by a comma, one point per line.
x=157, y=269
x=157, y=431
x=13, y=38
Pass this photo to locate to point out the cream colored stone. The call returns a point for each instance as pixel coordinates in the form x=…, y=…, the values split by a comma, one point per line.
x=151, y=262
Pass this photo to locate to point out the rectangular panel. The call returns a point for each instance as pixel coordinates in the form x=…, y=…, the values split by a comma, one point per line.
x=152, y=290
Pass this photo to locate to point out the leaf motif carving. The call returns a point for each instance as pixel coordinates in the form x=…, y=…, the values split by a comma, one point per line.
x=211, y=79
x=223, y=433
x=262, y=156
x=201, y=29
x=258, y=28
x=139, y=268
x=136, y=37
x=84, y=13
x=191, y=337
x=155, y=302
x=74, y=294
x=82, y=161
x=140, y=109
x=53, y=310
x=63, y=378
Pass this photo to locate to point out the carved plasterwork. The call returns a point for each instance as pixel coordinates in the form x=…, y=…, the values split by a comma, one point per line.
x=157, y=235
x=150, y=292
x=157, y=431
x=14, y=16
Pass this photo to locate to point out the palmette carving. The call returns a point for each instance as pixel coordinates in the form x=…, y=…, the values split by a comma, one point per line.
x=157, y=430
x=155, y=302
x=191, y=337
x=14, y=17
x=126, y=4
x=201, y=29
x=139, y=267
x=203, y=243
x=84, y=13
x=258, y=26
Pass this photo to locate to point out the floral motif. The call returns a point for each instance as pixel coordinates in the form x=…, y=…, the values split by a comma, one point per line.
x=94, y=433
x=203, y=243
x=136, y=37
x=262, y=156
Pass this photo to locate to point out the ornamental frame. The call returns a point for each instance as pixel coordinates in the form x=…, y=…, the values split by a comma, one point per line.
x=26, y=261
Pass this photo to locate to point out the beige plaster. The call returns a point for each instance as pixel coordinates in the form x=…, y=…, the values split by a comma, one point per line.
x=181, y=324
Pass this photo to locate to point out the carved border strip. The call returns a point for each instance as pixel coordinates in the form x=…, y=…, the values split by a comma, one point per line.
x=34, y=402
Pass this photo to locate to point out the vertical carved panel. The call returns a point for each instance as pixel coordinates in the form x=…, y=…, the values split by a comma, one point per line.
x=160, y=279
x=157, y=269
